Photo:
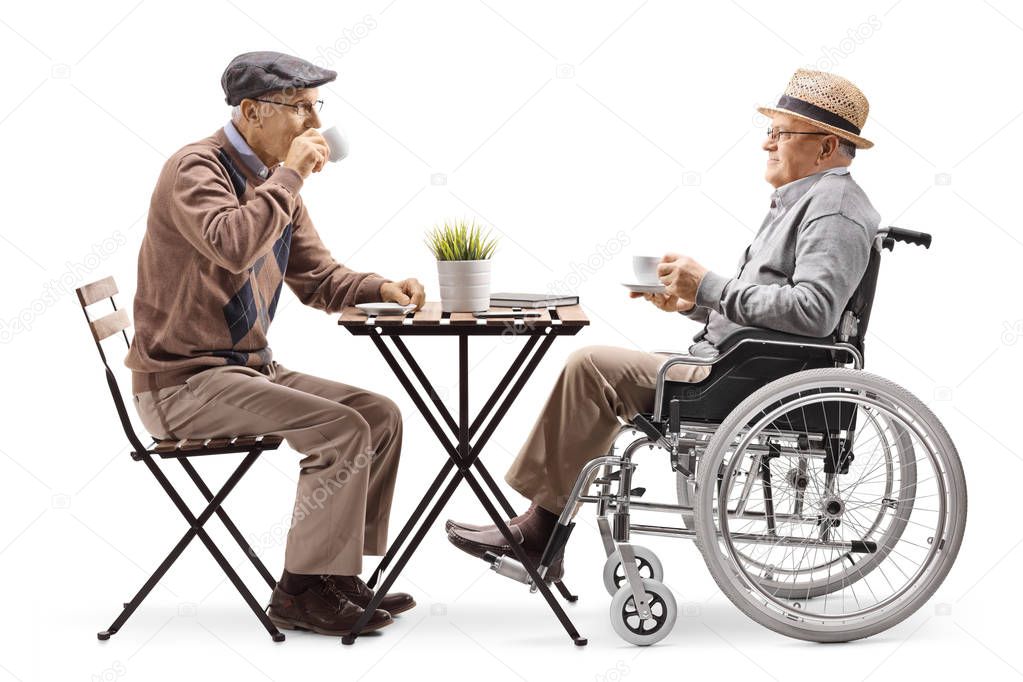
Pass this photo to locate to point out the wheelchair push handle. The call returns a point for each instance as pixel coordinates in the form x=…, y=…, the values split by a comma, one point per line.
x=898, y=234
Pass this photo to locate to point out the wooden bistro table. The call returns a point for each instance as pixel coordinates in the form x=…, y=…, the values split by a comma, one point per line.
x=539, y=333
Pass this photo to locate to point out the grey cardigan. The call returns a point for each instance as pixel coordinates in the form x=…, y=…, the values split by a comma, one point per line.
x=801, y=268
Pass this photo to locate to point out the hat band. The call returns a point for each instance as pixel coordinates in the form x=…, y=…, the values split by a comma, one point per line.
x=813, y=111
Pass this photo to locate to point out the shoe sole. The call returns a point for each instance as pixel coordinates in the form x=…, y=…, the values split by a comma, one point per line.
x=395, y=612
x=288, y=624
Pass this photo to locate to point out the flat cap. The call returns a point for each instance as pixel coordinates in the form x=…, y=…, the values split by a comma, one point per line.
x=255, y=73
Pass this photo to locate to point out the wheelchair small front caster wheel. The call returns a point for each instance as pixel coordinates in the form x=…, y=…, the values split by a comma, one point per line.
x=627, y=623
x=646, y=561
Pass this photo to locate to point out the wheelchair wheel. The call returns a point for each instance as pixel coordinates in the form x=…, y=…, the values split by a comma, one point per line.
x=644, y=631
x=867, y=530
x=894, y=470
x=647, y=563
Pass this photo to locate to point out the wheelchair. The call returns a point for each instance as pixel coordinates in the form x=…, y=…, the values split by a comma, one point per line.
x=828, y=503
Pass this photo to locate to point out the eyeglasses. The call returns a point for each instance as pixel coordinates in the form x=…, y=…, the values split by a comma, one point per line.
x=304, y=108
x=776, y=134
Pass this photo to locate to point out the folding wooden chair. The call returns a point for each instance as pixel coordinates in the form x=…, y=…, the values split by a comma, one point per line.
x=118, y=321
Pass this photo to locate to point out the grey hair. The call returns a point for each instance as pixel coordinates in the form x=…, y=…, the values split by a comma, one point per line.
x=847, y=148
x=236, y=113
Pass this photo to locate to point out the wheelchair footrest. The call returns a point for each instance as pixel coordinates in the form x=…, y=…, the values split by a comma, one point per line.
x=647, y=427
x=508, y=567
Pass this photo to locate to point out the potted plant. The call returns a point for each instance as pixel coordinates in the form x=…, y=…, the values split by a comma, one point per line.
x=463, y=251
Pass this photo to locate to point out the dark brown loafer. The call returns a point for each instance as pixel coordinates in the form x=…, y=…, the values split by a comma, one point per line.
x=478, y=543
x=359, y=593
x=450, y=525
x=321, y=608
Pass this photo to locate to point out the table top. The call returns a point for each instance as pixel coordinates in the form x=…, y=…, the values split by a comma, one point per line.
x=430, y=320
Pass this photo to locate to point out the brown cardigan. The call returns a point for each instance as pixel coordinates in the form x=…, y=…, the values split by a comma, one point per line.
x=219, y=244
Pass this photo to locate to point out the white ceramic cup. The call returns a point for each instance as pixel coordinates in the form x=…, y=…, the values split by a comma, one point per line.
x=337, y=142
x=645, y=269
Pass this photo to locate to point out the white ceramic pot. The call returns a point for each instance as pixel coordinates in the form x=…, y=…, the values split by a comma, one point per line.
x=464, y=285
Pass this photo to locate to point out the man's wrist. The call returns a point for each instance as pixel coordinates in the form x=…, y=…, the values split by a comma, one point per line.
x=288, y=177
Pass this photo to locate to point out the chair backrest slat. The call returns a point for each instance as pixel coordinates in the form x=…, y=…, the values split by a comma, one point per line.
x=101, y=328
x=110, y=324
x=97, y=291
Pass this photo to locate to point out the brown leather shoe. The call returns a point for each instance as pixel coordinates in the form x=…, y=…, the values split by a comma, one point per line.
x=321, y=608
x=359, y=593
x=478, y=543
x=450, y=525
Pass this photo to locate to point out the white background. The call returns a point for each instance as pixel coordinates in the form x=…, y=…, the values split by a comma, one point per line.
x=567, y=127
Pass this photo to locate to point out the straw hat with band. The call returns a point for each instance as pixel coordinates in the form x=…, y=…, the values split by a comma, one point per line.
x=829, y=102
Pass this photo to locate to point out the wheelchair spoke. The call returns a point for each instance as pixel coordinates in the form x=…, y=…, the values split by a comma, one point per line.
x=775, y=536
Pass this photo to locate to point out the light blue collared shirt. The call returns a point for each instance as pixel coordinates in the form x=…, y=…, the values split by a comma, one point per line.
x=245, y=151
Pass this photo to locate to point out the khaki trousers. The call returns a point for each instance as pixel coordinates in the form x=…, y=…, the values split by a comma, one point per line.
x=598, y=385
x=351, y=439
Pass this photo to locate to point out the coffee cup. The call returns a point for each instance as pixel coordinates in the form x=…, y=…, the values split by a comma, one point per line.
x=337, y=143
x=645, y=269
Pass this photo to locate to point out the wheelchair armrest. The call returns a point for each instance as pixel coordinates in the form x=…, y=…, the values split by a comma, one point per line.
x=662, y=374
x=754, y=334
x=747, y=336
x=774, y=338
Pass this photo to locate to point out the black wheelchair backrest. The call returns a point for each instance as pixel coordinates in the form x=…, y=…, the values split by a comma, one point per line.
x=852, y=327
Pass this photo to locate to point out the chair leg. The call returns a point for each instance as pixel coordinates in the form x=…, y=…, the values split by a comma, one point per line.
x=229, y=524
x=129, y=608
x=232, y=575
x=196, y=529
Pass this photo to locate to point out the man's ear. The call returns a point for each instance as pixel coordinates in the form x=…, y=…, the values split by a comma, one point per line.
x=830, y=147
x=250, y=112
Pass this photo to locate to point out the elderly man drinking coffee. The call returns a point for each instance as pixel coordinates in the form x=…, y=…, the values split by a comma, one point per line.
x=227, y=229
x=796, y=276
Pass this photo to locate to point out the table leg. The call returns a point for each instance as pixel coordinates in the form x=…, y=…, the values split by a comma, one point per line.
x=463, y=455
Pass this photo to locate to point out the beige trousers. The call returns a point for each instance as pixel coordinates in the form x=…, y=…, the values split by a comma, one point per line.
x=351, y=439
x=598, y=385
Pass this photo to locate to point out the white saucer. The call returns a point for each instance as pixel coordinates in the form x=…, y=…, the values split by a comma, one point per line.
x=644, y=288
x=388, y=308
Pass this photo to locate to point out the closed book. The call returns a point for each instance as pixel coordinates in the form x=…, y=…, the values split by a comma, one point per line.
x=513, y=300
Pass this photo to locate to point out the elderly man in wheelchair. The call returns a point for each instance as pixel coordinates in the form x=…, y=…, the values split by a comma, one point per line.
x=828, y=503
